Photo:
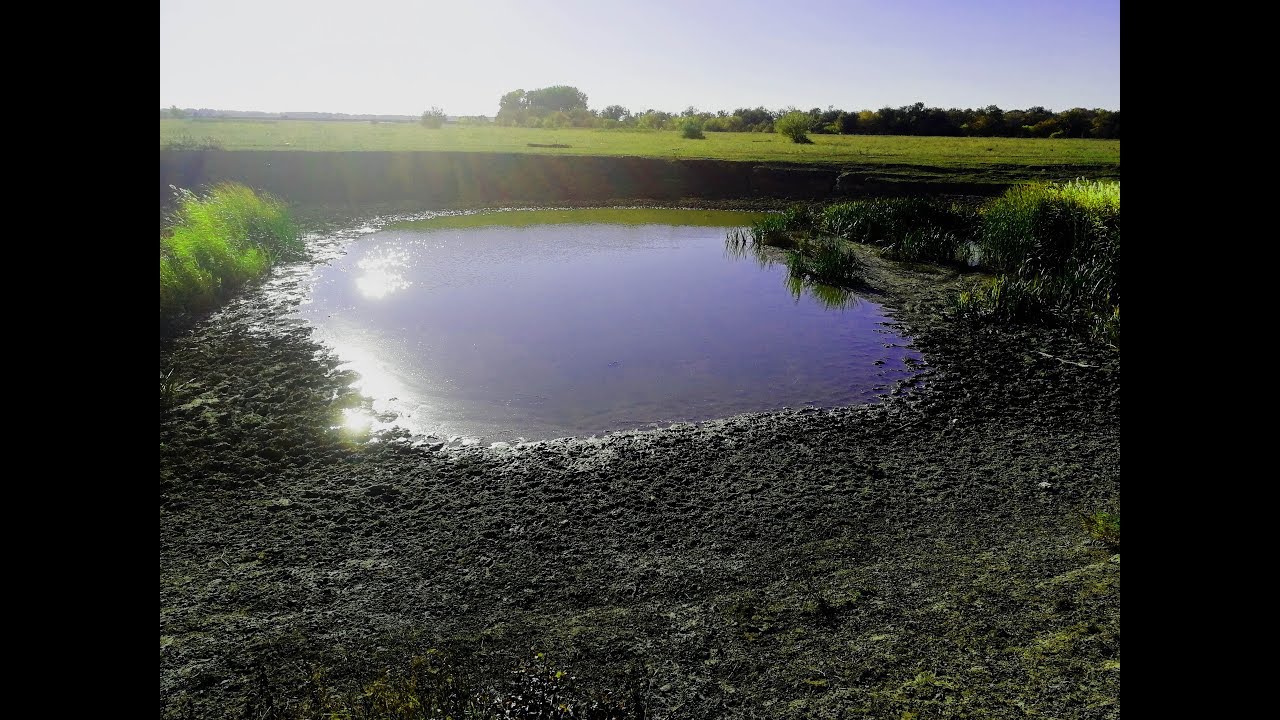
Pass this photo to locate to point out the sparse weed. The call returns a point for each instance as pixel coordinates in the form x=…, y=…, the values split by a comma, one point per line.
x=169, y=389
x=1103, y=527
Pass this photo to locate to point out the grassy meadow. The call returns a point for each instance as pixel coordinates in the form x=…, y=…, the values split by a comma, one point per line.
x=939, y=152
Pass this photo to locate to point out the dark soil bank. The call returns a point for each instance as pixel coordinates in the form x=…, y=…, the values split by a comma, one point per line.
x=458, y=179
x=923, y=557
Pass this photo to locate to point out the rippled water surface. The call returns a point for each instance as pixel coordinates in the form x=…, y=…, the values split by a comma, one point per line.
x=509, y=333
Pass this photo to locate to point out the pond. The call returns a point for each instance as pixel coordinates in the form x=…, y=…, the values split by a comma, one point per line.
x=558, y=323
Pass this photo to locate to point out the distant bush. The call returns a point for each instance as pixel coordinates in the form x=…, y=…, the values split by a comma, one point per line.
x=433, y=118
x=794, y=125
x=691, y=128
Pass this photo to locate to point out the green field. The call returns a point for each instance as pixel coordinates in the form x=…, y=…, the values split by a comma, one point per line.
x=939, y=152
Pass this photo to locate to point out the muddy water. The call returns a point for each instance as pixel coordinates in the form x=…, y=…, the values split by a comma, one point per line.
x=511, y=333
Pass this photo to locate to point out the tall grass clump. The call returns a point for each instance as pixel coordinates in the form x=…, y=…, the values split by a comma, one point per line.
x=215, y=243
x=781, y=230
x=1046, y=227
x=811, y=254
x=826, y=260
x=909, y=229
x=1056, y=248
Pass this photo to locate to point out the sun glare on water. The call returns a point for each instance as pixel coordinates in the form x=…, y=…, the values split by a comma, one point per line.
x=383, y=274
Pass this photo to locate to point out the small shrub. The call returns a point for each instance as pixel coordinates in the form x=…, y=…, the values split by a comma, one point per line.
x=433, y=118
x=691, y=128
x=794, y=125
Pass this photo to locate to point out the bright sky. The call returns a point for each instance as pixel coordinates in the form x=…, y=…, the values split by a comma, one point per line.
x=404, y=56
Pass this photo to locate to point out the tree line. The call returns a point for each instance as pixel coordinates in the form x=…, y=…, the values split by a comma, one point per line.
x=566, y=106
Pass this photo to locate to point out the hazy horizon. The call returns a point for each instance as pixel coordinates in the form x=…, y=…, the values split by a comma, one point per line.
x=396, y=57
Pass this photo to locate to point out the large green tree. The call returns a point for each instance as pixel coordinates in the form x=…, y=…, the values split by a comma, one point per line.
x=557, y=98
x=518, y=106
x=513, y=108
x=615, y=112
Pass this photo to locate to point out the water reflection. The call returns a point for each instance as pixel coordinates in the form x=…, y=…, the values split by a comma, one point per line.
x=829, y=296
x=739, y=246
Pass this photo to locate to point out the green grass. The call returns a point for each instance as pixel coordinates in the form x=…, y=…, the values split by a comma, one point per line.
x=1050, y=225
x=826, y=260
x=213, y=244
x=1055, y=248
x=936, y=152
x=585, y=216
x=909, y=229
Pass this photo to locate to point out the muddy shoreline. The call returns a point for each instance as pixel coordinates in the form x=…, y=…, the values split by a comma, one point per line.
x=921, y=555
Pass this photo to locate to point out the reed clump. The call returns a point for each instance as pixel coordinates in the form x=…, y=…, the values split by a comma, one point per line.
x=908, y=229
